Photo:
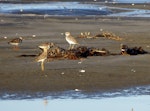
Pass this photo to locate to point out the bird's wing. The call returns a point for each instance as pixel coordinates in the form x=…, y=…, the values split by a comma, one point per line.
x=17, y=40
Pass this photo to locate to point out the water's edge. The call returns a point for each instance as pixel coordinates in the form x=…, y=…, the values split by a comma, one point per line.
x=76, y=94
x=70, y=9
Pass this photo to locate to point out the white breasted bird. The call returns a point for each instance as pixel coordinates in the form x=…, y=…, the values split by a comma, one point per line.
x=15, y=42
x=71, y=40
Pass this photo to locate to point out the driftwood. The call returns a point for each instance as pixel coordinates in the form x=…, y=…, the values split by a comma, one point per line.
x=56, y=52
x=77, y=53
x=108, y=35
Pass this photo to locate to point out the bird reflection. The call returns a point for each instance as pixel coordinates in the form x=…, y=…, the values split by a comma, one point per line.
x=45, y=102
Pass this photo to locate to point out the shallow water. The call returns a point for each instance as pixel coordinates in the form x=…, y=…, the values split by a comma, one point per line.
x=54, y=8
x=133, y=13
x=70, y=9
x=77, y=94
x=132, y=99
x=136, y=103
x=131, y=1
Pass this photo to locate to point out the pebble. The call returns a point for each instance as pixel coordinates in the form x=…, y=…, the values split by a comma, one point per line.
x=133, y=70
x=132, y=4
x=76, y=89
x=80, y=62
x=62, y=73
x=2, y=20
x=82, y=70
x=101, y=30
x=33, y=35
x=5, y=37
x=76, y=19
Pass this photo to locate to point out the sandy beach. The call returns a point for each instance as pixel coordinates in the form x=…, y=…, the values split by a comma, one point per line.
x=100, y=72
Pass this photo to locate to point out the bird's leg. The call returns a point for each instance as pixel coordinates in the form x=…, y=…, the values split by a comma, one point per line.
x=42, y=65
x=16, y=47
x=70, y=47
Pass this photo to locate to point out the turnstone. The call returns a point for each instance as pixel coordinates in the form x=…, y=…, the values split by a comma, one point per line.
x=15, y=42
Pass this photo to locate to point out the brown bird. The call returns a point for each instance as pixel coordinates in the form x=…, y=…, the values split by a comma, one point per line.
x=15, y=42
x=43, y=56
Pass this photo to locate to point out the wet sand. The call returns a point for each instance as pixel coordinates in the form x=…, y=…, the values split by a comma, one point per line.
x=101, y=73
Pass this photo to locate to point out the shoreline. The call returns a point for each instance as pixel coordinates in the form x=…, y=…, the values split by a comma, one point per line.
x=101, y=73
x=57, y=17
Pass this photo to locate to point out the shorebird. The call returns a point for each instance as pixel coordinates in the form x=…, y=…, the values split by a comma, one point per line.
x=15, y=42
x=124, y=49
x=43, y=56
x=71, y=40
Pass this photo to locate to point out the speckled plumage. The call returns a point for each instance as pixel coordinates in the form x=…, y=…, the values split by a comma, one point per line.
x=43, y=56
x=16, y=41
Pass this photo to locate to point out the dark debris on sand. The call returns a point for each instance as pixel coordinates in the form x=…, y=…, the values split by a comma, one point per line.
x=132, y=51
x=57, y=52
x=84, y=52
x=76, y=53
x=105, y=34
